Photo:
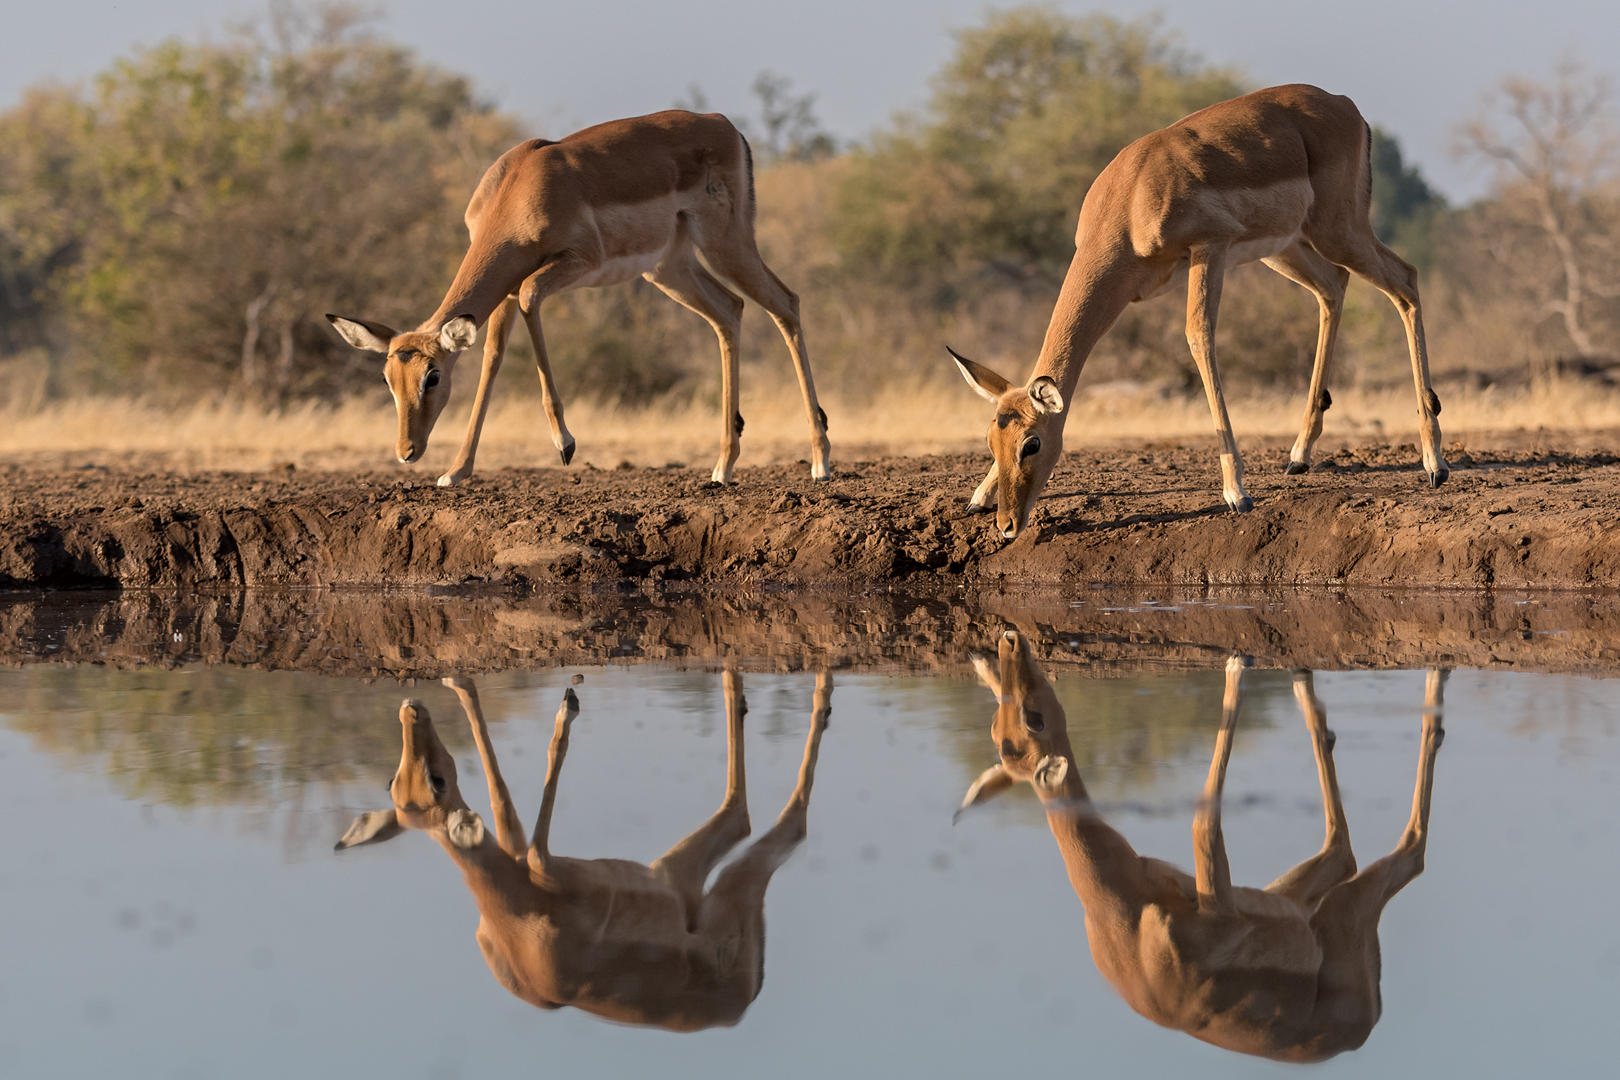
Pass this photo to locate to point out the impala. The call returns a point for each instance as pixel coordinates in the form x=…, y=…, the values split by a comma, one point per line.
x=1281, y=175
x=638, y=197
x=1289, y=972
x=632, y=943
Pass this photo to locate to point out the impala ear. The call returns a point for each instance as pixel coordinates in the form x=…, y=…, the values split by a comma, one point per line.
x=370, y=336
x=1045, y=395
x=992, y=782
x=466, y=829
x=370, y=828
x=459, y=333
x=986, y=383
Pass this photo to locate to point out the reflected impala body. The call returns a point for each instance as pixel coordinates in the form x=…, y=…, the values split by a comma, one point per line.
x=1289, y=972
x=639, y=944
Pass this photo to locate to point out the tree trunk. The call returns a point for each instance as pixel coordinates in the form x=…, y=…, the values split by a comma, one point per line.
x=250, y=340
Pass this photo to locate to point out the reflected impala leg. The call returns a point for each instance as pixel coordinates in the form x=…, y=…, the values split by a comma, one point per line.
x=686, y=866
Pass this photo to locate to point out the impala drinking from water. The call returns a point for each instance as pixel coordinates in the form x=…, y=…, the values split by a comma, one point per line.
x=1281, y=175
x=638, y=197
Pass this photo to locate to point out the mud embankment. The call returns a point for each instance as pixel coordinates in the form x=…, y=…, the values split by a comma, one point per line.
x=414, y=635
x=1513, y=519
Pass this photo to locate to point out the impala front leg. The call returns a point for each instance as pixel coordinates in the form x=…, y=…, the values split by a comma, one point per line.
x=984, y=496
x=535, y=290
x=508, y=829
x=1204, y=279
x=1213, y=872
x=495, y=338
x=540, y=845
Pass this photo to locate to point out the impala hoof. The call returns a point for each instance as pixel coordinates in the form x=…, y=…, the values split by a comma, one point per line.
x=1438, y=477
x=1295, y=468
x=567, y=453
x=975, y=508
x=448, y=480
x=1243, y=505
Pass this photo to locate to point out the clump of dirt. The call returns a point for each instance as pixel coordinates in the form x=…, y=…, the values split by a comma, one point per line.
x=1519, y=518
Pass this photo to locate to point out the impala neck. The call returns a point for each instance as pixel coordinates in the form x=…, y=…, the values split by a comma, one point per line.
x=1093, y=295
x=489, y=273
x=1093, y=852
x=497, y=881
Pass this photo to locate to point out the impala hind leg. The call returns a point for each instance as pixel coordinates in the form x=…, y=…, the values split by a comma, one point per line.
x=1204, y=279
x=495, y=339
x=741, y=265
x=1397, y=279
x=1327, y=282
x=684, y=280
x=1346, y=922
x=1308, y=882
x=686, y=866
x=734, y=910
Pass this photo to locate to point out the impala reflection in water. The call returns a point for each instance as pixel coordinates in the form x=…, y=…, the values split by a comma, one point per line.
x=639, y=944
x=1289, y=972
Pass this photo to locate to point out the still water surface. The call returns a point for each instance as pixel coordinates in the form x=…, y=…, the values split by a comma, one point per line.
x=174, y=906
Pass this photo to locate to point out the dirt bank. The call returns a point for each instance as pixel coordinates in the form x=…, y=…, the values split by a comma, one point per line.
x=414, y=634
x=1511, y=518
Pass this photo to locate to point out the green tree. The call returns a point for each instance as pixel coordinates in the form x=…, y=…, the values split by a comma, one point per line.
x=1032, y=106
x=1403, y=204
x=196, y=210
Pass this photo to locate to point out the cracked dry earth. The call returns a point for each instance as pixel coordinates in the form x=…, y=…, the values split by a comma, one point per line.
x=1517, y=517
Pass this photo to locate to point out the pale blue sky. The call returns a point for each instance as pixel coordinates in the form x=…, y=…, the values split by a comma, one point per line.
x=1416, y=68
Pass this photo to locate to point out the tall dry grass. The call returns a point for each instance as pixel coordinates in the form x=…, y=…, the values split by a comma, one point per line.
x=925, y=419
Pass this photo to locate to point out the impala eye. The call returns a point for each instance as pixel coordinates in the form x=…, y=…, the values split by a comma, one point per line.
x=431, y=379
x=438, y=784
x=1032, y=445
x=1034, y=720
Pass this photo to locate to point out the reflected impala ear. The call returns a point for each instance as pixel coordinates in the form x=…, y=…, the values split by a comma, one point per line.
x=992, y=782
x=986, y=383
x=1045, y=395
x=370, y=336
x=370, y=828
x=466, y=829
x=459, y=333
x=1049, y=773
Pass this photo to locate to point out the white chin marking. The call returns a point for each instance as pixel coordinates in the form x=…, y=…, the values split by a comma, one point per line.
x=404, y=461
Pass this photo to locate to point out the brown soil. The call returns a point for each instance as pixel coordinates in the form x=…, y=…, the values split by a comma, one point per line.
x=419, y=635
x=1514, y=518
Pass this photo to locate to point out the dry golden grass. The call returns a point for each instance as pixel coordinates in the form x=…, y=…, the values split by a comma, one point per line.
x=360, y=433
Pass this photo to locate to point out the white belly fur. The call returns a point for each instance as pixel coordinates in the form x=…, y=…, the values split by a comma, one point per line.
x=1263, y=247
x=635, y=238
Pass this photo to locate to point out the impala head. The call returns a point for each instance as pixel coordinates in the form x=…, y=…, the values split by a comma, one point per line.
x=1026, y=439
x=417, y=369
x=1030, y=730
x=424, y=791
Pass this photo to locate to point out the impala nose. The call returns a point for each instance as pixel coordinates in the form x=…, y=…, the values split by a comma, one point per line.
x=1009, y=532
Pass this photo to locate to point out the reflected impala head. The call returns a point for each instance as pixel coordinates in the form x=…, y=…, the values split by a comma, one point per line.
x=1026, y=439
x=424, y=790
x=1030, y=730
x=417, y=370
